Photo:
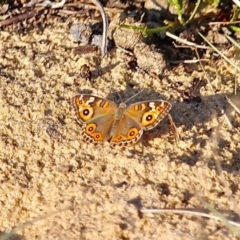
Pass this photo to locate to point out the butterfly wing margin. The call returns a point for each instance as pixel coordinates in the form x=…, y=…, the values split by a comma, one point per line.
x=148, y=113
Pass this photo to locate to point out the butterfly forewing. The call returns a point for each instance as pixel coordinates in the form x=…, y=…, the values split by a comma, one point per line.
x=89, y=107
x=95, y=115
x=148, y=113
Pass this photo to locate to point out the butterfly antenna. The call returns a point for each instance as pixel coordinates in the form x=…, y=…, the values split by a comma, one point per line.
x=133, y=96
x=119, y=96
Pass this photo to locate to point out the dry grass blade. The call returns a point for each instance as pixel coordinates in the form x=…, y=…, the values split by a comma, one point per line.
x=219, y=104
x=105, y=27
x=184, y=41
x=229, y=224
x=236, y=2
x=201, y=213
x=8, y=235
x=174, y=128
x=233, y=105
x=232, y=41
x=221, y=54
x=190, y=61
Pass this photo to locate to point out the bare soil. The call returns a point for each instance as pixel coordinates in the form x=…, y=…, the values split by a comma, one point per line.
x=78, y=190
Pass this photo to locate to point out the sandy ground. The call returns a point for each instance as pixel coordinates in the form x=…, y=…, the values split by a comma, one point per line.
x=69, y=189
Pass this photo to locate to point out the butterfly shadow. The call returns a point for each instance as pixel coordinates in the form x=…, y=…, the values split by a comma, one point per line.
x=202, y=123
x=192, y=118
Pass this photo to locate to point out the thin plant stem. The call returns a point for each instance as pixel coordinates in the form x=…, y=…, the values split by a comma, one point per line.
x=105, y=27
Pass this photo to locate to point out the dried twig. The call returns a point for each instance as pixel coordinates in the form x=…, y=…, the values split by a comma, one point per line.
x=18, y=18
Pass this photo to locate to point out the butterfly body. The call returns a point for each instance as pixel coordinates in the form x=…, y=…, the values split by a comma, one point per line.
x=102, y=120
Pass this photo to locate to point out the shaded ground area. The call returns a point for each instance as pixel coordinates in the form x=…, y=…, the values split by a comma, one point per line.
x=46, y=166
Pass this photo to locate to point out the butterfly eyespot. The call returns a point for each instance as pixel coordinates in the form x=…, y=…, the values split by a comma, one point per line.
x=119, y=138
x=132, y=133
x=148, y=119
x=90, y=128
x=97, y=136
x=78, y=101
x=86, y=113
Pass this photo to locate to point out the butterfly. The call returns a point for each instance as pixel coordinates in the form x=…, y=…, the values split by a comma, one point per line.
x=102, y=120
